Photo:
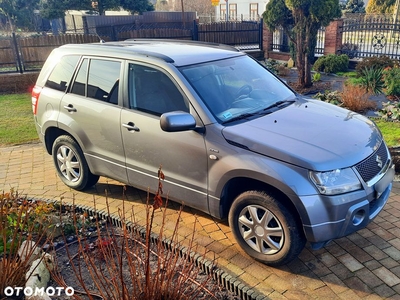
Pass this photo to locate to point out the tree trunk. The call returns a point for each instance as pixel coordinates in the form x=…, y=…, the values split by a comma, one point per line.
x=306, y=34
x=11, y=23
x=300, y=57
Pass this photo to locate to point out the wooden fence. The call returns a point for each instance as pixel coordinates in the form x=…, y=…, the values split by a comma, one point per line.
x=27, y=54
x=239, y=34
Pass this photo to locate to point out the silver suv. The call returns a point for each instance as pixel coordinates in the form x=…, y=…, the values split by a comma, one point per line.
x=233, y=139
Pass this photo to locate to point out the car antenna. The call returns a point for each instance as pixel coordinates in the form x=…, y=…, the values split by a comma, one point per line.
x=100, y=39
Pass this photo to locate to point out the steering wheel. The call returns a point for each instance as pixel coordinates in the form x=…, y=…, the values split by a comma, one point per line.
x=244, y=90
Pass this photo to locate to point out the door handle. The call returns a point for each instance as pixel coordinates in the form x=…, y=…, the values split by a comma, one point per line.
x=130, y=126
x=70, y=108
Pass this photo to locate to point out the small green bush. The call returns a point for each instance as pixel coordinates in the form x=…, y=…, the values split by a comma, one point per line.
x=274, y=66
x=391, y=78
x=372, y=79
x=332, y=63
x=374, y=61
x=354, y=81
x=332, y=97
x=316, y=77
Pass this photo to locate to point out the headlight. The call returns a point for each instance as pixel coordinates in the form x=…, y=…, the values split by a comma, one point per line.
x=335, y=182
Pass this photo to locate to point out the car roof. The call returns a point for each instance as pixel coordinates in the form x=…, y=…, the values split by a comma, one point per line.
x=177, y=52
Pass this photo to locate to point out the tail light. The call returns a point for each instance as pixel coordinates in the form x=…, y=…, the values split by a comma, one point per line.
x=35, y=98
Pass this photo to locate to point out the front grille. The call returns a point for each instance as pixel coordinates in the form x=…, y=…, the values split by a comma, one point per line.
x=369, y=167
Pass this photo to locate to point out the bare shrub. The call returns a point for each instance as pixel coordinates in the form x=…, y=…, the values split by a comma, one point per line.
x=21, y=221
x=124, y=263
x=355, y=98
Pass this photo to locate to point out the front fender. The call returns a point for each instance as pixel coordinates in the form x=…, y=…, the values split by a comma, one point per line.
x=290, y=180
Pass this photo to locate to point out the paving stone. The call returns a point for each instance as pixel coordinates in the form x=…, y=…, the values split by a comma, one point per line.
x=396, y=271
x=393, y=253
x=297, y=266
x=348, y=294
x=375, y=252
x=358, y=286
x=369, y=277
x=334, y=283
x=341, y=271
x=384, y=291
x=328, y=259
x=335, y=249
x=372, y=264
x=361, y=255
x=387, y=276
x=259, y=271
x=359, y=240
x=318, y=267
x=389, y=263
x=378, y=242
x=350, y=262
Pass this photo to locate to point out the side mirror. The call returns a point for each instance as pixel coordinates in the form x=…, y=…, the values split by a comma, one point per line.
x=177, y=121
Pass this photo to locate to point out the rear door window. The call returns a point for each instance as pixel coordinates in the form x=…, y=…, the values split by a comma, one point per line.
x=98, y=79
x=61, y=75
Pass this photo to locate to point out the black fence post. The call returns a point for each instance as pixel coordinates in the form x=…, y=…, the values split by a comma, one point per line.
x=261, y=34
x=114, y=33
x=195, y=36
x=16, y=51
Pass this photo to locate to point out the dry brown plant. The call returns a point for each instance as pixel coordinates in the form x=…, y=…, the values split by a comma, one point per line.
x=356, y=98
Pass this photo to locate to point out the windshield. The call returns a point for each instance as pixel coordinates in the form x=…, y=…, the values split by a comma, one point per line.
x=237, y=87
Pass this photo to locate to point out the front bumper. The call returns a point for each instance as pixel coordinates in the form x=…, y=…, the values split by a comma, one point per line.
x=332, y=217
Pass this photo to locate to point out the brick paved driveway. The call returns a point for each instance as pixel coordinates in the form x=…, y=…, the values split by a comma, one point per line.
x=364, y=265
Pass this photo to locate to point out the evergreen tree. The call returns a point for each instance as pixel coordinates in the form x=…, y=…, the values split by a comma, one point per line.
x=301, y=20
x=19, y=13
x=354, y=6
x=380, y=6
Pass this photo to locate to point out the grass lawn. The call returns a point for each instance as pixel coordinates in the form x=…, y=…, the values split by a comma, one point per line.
x=390, y=131
x=16, y=120
x=17, y=125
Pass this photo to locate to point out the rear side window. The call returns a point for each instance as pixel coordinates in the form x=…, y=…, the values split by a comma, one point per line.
x=62, y=73
x=98, y=79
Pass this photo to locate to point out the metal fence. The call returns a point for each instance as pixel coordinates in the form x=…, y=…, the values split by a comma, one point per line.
x=371, y=35
x=281, y=41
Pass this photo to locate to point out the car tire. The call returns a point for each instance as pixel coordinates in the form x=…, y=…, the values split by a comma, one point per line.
x=71, y=164
x=265, y=229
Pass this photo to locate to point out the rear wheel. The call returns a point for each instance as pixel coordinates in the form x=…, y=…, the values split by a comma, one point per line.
x=265, y=228
x=71, y=164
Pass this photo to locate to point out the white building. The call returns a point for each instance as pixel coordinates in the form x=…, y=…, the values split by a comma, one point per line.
x=240, y=9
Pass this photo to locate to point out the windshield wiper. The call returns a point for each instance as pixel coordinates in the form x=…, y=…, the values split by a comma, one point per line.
x=264, y=111
x=279, y=104
x=241, y=117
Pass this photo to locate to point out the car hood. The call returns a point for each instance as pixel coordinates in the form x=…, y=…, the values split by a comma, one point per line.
x=309, y=133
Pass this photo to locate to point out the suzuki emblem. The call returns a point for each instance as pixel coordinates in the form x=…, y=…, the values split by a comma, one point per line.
x=379, y=161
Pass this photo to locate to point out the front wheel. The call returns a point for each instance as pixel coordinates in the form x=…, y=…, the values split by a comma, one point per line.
x=265, y=228
x=71, y=165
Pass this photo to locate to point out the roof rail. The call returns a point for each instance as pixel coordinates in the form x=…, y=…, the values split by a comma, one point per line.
x=140, y=52
x=176, y=41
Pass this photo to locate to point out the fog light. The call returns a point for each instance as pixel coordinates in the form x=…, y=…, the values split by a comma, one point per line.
x=358, y=217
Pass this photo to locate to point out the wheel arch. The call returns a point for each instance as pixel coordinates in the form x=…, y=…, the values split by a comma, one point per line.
x=52, y=133
x=238, y=185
